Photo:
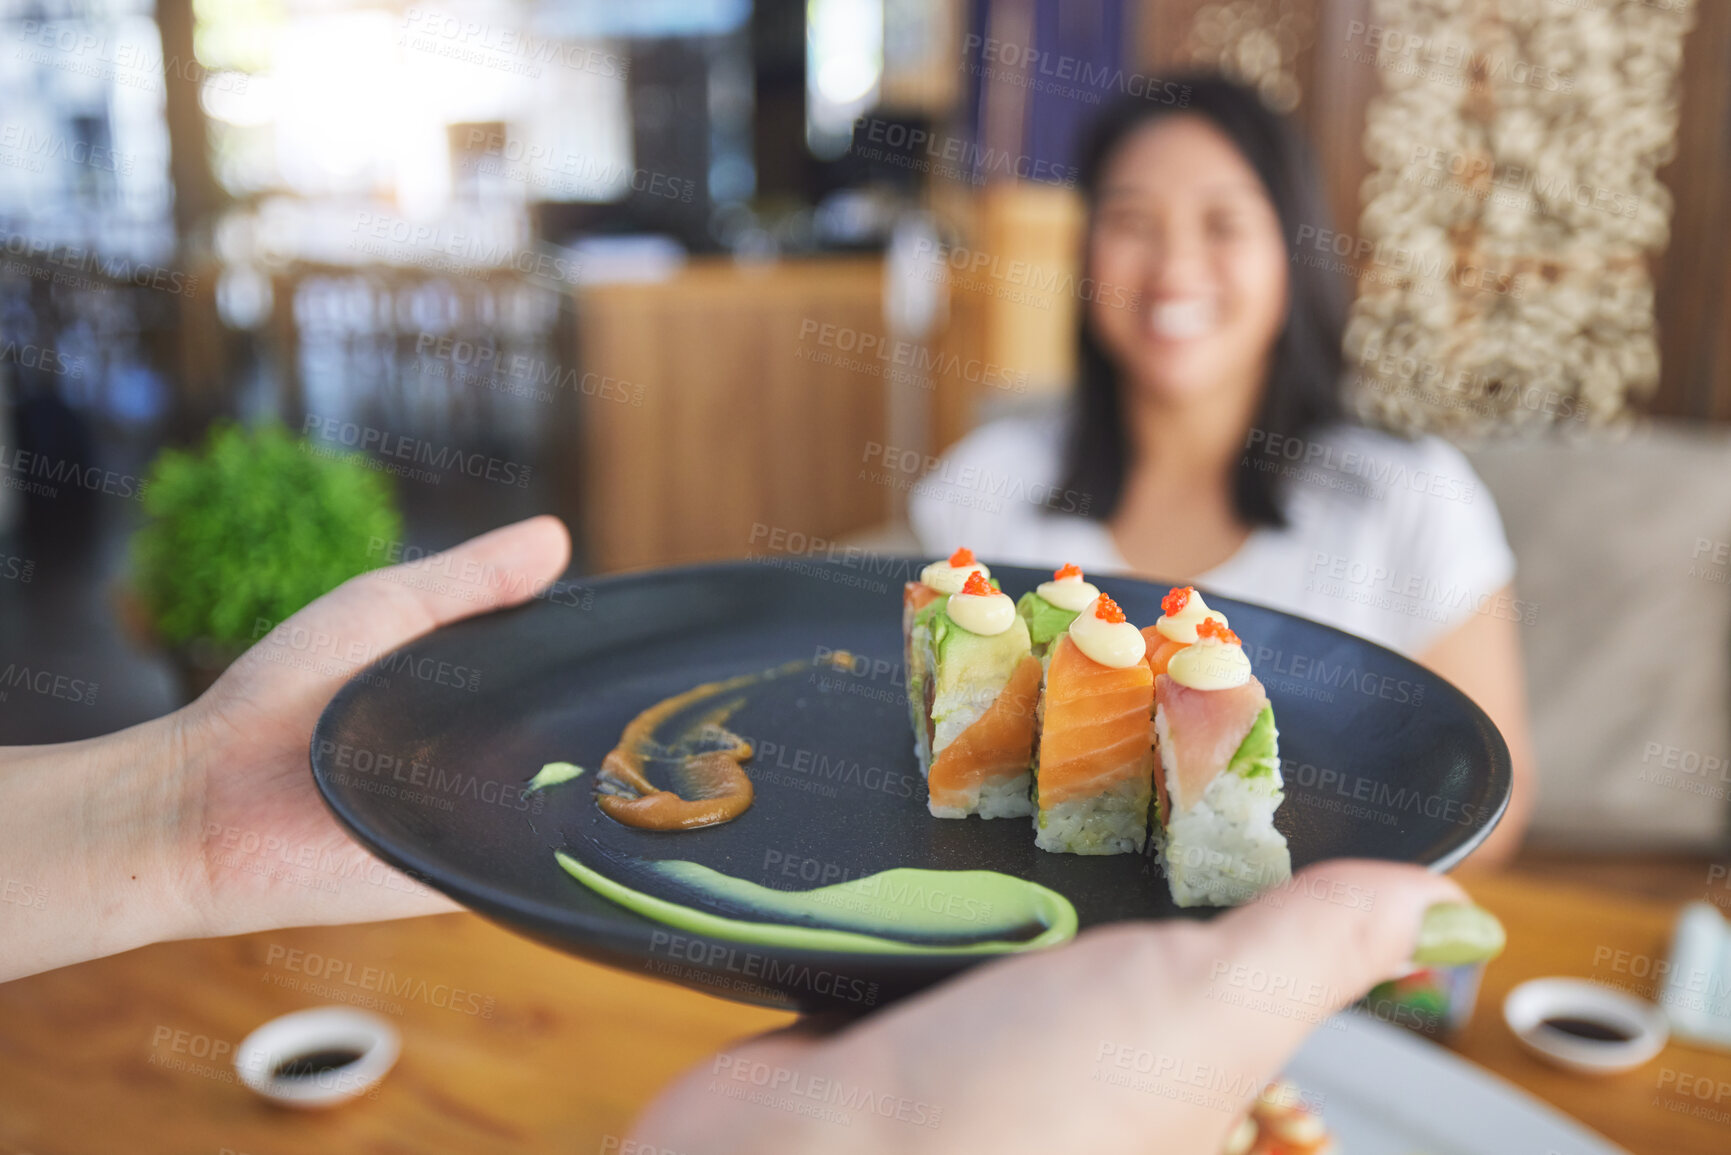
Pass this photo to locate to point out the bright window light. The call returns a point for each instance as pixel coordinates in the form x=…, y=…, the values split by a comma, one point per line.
x=844, y=64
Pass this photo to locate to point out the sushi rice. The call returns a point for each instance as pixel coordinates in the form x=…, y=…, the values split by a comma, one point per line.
x=1004, y=798
x=1114, y=821
x=1224, y=849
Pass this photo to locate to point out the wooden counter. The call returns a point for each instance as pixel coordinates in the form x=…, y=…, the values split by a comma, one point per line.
x=507, y=1046
x=745, y=400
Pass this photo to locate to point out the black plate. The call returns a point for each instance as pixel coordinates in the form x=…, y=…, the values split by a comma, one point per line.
x=424, y=757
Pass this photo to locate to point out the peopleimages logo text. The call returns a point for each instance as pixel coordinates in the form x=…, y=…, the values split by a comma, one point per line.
x=402, y=447
x=83, y=266
x=963, y=152
x=1085, y=73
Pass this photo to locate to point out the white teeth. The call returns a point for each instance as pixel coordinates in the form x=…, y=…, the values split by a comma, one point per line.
x=1177, y=320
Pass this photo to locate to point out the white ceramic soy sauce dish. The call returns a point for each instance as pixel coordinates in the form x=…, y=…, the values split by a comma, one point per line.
x=1642, y=1024
x=316, y=1038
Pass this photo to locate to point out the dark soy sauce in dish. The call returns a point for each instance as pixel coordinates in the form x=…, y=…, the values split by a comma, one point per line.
x=315, y=1063
x=1592, y=1030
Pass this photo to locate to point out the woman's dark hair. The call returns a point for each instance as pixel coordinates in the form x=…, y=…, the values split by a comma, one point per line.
x=1302, y=392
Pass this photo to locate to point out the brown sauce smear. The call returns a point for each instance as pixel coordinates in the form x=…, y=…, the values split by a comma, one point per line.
x=713, y=784
x=719, y=789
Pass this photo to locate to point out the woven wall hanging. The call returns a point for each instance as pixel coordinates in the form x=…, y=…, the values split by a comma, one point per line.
x=1511, y=208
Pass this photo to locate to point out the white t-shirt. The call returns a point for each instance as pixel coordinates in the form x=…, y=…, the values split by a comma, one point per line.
x=1396, y=541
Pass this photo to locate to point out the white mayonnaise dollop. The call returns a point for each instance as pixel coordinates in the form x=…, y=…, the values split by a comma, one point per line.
x=1182, y=628
x=1209, y=664
x=1115, y=644
x=985, y=614
x=1068, y=593
x=949, y=579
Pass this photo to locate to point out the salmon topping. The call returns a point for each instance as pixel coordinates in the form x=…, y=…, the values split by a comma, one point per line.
x=998, y=746
x=1160, y=649
x=1095, y=732
x=916, y=596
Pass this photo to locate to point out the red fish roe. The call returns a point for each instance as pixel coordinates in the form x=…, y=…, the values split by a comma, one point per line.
x=1173, y=603
x=1107, y=610
x=1215, y=628
x=977, y=586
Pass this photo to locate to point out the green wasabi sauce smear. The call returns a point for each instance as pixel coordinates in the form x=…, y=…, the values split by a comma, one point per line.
x=863, y=914
x=553, y=774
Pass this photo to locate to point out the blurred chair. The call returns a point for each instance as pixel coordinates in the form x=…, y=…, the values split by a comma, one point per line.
x=1624, y=547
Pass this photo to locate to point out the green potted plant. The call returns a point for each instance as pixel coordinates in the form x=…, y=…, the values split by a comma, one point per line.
x=242, y=533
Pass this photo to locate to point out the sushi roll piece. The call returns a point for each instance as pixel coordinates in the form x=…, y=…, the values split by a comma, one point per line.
x=1093, y=774
x=1282, y=1121
x=981, y=686
x=1050, y=607
x=920, y=601
x=1217, y=774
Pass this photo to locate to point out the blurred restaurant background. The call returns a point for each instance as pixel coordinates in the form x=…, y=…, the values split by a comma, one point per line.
x=722, y=278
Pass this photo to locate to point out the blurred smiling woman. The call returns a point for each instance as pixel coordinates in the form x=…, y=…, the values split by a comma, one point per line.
x=1208, y=438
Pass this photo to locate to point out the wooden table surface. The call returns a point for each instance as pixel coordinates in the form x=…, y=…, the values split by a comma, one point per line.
x=1563, y=929
x=510, y=1046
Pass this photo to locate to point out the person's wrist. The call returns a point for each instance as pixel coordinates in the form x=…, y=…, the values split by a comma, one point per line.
x=103, y=833
x=185, y=749
x=141, y=818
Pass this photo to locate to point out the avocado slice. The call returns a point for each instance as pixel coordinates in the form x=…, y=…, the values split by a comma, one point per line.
x=969, y=665
x=1046, y=622
x=916, y=654
x=1258, y=755
x=916, y=634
